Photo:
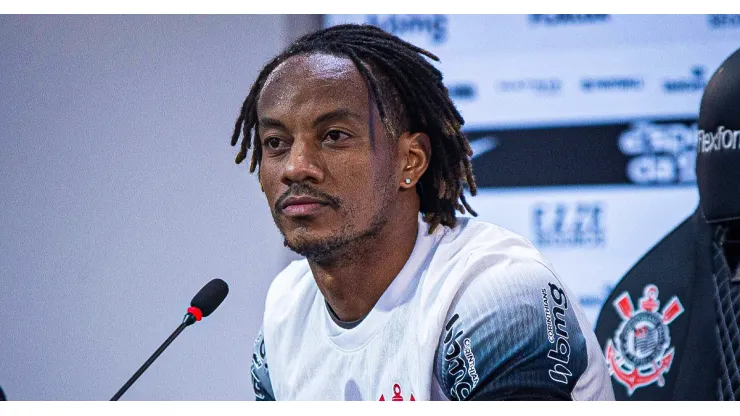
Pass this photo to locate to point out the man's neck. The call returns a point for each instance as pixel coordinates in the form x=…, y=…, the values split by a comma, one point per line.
x=352, y=288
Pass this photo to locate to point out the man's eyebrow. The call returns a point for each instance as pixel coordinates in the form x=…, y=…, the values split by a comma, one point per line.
x=267, y=122
x=336, y=115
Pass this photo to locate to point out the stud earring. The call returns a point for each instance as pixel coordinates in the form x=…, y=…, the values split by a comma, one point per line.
x=407, y=181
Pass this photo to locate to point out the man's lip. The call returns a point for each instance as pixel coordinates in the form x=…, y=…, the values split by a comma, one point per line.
x=303, y=210
x=301, y=200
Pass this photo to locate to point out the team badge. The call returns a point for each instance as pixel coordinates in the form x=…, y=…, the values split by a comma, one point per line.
x=641, y=350
x=397, y=397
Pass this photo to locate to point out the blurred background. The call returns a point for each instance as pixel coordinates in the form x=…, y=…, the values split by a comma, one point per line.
x=119, y=197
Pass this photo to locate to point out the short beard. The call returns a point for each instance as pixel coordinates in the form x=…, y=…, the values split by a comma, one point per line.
x=341, y=248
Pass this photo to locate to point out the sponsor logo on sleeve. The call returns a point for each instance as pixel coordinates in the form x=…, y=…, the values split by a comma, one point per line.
x=559, y=352
x=258, y=361
x=470, y=358
x=548, y=317
x=460, y=361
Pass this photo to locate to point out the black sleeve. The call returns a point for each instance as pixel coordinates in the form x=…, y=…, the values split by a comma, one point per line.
x=514, y=338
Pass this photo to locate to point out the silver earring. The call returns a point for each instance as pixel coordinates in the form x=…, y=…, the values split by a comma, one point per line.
x=407, y=181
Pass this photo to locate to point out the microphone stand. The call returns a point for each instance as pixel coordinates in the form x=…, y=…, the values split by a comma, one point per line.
x=188, y=320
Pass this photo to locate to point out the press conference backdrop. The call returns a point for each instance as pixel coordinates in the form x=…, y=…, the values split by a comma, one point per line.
x=119, y=198
x=583, y=126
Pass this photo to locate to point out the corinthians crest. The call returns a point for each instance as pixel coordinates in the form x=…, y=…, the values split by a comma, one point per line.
x=641, y=352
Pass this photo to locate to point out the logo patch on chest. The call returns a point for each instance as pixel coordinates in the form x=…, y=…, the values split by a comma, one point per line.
x=397, y=395
x=640, y=352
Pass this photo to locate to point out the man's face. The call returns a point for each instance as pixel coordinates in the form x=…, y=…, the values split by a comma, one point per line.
x=328, y=170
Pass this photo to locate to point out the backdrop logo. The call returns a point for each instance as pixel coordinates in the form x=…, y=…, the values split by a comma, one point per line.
x=660, y=153
x=612, y=84
x=539, y=86
x=567, y=19
x=568, y=224
x=723, y=21
x=483, y=145
x=462, y=91
x=694, y=82
x=432, y=25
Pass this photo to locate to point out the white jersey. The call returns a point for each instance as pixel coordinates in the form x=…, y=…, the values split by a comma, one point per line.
x=475, y=313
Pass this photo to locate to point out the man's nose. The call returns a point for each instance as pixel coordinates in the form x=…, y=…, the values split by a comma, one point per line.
x=303, y=163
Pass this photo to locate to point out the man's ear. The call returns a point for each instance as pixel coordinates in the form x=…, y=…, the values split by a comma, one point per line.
x=415, y=152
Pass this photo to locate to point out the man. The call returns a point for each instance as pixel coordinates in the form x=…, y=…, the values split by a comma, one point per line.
x=361, y=157
x=670, y=329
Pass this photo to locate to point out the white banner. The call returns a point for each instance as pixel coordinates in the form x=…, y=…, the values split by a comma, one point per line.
x=646, y=73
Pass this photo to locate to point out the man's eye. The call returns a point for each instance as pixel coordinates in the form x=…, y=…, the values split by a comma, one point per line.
x=336, y=135
x=273, y=143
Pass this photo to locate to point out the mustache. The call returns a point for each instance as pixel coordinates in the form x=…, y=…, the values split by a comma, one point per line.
x=302, y=189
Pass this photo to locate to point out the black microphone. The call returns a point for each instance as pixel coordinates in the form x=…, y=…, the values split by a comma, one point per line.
x=203, y=304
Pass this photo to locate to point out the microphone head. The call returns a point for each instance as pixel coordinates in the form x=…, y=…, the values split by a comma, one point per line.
x=210, y=296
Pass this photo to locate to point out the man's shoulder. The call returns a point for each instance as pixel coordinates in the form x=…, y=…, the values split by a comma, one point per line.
x=512, y=329
x=504, y=272
x=472, y=235
x=489, y=251
x=290, y=285
x=478, y=258
x=294, y=272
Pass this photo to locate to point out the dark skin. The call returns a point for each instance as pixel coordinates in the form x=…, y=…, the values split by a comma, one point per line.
x=335, y=180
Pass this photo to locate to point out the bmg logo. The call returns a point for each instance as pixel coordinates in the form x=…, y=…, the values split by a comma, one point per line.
x=432, y=25
x=722, y=21
x=568, y=224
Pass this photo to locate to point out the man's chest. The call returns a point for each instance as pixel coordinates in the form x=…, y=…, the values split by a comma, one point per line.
x=391, y=365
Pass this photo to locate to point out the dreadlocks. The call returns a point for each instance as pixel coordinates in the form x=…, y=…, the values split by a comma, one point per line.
x=402, y=83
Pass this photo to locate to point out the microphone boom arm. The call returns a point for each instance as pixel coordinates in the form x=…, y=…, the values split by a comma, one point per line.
x=186, y=322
